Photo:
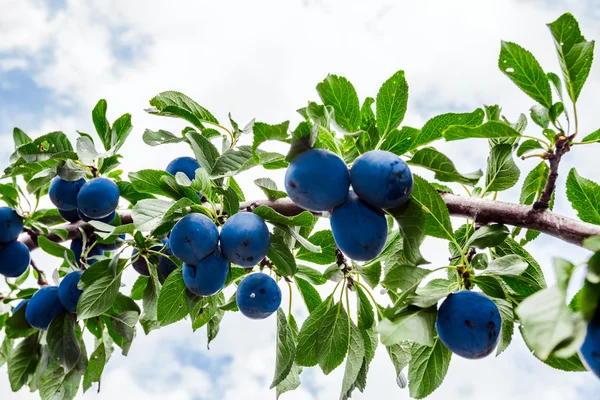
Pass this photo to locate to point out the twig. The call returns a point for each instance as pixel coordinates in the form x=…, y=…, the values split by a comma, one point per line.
x=41, y=276
x=562, y=146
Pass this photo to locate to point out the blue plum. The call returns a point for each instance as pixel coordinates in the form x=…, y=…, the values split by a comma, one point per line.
x=590, y=350
x=382, y=179
x=70, y=216
x=193, y=238
x=468, y=323
x=11, y=225
x=317, y=180
x=98, y=198
x=111, y=246
x=245, y=239
x=208, y=277
x=77, y=247
x=43, y=306
x=68, y=292
x=165, y=266
x=187, y=165
x=258, y=296
x=18, y=306
x=107, y=220
x=359, y=229
x=63, y=194
x=14, y=259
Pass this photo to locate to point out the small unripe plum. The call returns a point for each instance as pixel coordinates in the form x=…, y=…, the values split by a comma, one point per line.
x=187, y=165
x=193, y=238
x=70, y=216
x=63, y=194
x=258, y=296
x=245, y=239
x=590, y=350
x=68, y=292
x=18, y=306
x=359, y=229
x=98, y=198
x=165, y=266
x=77, y=247
x=11, y=225
x=382, y=179
x=14, y=259
x=208, y=277
x=111, y=246
x=317, y=180
x=468, y=323
x=107, y=220
x=43, y=306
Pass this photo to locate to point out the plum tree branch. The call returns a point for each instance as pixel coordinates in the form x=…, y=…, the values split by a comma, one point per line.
x=480, y=210
x=563, y=145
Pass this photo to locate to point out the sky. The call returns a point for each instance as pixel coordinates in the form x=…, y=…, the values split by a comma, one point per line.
x=263, y=59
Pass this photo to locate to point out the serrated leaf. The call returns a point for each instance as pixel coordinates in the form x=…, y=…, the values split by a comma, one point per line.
x=592, y=137
x=413, y=324
x=427, y=368
x=366, y=316
x=305, y=218
x=338, y=92
x=269, y=188
x=306, y=350
x=333, y=338
x=392, y=101
x=400, y=141
x=22, y=362
x=534, y=184
x=178, y=105
x=354, y=361
x=311, y=275
x=286, y=349
x=411, y=222
x=502, y=172
x=431, y=293
x=533, y=273
x=239, y=159
x=400, y=276
x=280, y=254
x=95, y=367
x=171, y=306
x=443, y=167
x=584, y=196
x=264, y=132
x=291, y=382
x=436, y=127
x=436, y=213
x=311, y=296
x=489, y=130
x=507, y=265
x=488, y=236
x=101, y=123
x=62, y=342
x=524, y=70
x=527, y=146
x=156, y=138
x=323, y=239
x=98, y=296
x=205, y=152
x=508, y=323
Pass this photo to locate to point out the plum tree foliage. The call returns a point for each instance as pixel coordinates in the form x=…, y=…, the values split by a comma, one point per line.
x=192, y=236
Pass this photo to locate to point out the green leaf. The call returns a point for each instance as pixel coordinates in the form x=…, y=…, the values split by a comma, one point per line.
x=584, y=196
x=129, y=193
x=527, y=146
x=400, y=276
x=149, y=181
x=539, y=115
x=95, y=367
x=508, y=323
x=592, y=137
x=392, y=101
x=20, y=138
x=311, y=296
x=338, y=92
x=400, y=355
x=333, y=338
x=305, y=218
x=524, y=70
x=101, y=123
x=239, y=159
x=534, y=184
x=280, y=254
x=354, y=361
x=323, y=239
x=502, y=172
x=575, y=54
x=413, y=325
x=55, y=249
x=489, y=130
x=427, y=368
x=120, y=131
x=436, y=127
x=62, y=341
x=9, y=195
x=16, y=326
x=488, y=236
x=411, y=222
x=6, y=349
x=311, y=275
x=444, y=168
x=436, y=213
x=430, y=294
x=306, y=351
x=366, y=316
x=286, y=349
x=156, y=138
x=147, y=214
x=400, y=141
x=178, y=105
x=137, y=290
x=304, y=138
x=231, y=202
x=507, y=265
x=533, y=273
x=489, y=285
x=22, y=362
x=171, y=306
x=269, y=188
x=100, y=294
x=264, y=132
x=205, y=152
x=371, y=273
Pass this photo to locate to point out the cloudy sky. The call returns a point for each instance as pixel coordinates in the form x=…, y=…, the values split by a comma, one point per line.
x=262, y=59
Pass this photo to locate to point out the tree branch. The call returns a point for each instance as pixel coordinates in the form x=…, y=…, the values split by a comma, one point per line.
x=563, y=145
x=480, y=210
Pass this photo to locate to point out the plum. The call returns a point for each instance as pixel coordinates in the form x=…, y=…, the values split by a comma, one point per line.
x=165, y=266
x=317, y=180
x=43, y=306
x=63, y=194
x=208, y=277
x=468, y=323
x=193, y=238
x=70, y=216
x=590, y=350
x=98, y=198
x=14, y=259
x=77, y=247
x=381, y=179
x=68, y=292
x=245, y=239
x=359, y=229
x=107, y=220
x=111, y=246
x=11, y=225
x=258, y=296
x=18, y=306
x=187, y=165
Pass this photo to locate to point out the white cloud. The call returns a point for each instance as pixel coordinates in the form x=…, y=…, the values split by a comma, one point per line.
x=263, y=60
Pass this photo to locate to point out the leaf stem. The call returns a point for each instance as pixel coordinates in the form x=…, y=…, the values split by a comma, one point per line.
x=290, y=302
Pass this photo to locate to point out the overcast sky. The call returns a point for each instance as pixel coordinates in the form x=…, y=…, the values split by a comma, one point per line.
x=262, y=59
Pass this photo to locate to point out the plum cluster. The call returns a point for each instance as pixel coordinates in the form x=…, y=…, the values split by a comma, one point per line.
x=96, y=199
x=14, y=255
x=319, y=180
